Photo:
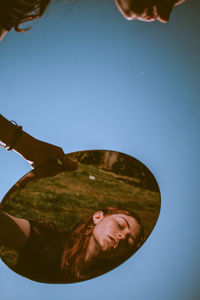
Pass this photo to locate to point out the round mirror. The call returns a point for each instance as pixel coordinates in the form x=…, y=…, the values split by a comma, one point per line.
x=85, y=222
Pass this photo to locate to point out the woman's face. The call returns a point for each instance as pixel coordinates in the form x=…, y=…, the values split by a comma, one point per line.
x=113, y=235
x=147, y=10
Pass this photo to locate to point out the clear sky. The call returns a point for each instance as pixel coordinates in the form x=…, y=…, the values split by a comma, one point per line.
x=85, y=78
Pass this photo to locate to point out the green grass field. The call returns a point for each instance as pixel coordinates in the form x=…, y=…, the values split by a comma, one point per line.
x=67, y=198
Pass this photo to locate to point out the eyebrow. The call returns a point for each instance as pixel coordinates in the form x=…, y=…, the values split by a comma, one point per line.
x=128, y=226
x=126, y=222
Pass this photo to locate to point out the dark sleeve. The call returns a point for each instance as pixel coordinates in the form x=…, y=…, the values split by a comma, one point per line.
x=40, y=258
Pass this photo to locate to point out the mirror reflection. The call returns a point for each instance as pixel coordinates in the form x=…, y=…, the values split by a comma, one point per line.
x=78, y=225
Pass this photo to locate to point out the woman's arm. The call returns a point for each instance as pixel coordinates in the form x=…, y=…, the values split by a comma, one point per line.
x=33, y=150
x=30, y=148
x=14, y=232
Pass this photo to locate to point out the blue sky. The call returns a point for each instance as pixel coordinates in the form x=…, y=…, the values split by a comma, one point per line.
x=85, y=78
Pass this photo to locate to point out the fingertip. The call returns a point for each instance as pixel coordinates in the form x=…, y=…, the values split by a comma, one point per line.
x=164, y=21
x=59, y=161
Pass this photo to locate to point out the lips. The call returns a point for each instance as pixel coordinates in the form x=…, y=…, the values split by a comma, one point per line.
x=113, y=242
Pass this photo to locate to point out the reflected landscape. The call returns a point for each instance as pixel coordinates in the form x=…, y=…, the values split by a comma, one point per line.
x=86, y=222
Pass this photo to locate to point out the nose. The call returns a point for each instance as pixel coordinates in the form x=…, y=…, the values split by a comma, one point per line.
x=123, y=236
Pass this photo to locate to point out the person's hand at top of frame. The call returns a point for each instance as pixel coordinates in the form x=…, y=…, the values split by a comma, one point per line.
x=147, y=10
x=15, y=12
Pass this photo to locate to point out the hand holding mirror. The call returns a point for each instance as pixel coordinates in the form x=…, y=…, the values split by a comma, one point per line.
x=69, y=222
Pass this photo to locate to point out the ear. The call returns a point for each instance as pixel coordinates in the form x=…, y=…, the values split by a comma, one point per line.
x=97, y=217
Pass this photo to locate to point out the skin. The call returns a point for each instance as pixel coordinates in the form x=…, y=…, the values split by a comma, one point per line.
x=36, y=152
x=14, y=232
x=148, y=10
x=112, y=236
x=49, y=160
x=3, y=33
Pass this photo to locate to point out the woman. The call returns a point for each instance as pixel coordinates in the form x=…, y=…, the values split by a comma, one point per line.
x=93, y=247
x=15, y=12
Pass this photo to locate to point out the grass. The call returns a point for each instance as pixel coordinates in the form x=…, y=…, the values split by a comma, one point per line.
x=69, y=197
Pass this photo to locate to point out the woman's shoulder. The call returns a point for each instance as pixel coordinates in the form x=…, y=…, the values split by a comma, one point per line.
x=44, y=237
x=40, y=258
x=43, y=226
x=47, y=231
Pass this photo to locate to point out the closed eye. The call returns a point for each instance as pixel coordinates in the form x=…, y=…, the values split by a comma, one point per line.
x=121, y=223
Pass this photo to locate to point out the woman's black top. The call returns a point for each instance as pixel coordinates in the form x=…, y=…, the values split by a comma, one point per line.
x=40, y=259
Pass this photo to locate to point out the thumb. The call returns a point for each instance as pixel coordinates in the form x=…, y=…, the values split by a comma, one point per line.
x=54, y=166
x=67, y=164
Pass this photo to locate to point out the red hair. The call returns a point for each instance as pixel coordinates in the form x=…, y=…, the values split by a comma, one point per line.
x=75, y=254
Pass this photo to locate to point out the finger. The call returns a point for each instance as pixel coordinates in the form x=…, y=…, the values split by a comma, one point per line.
x=54, y=166
x=68, y=164
x=164, y=12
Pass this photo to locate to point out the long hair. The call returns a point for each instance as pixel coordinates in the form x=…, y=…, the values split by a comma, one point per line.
x=74, y=255
x=17, y=12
